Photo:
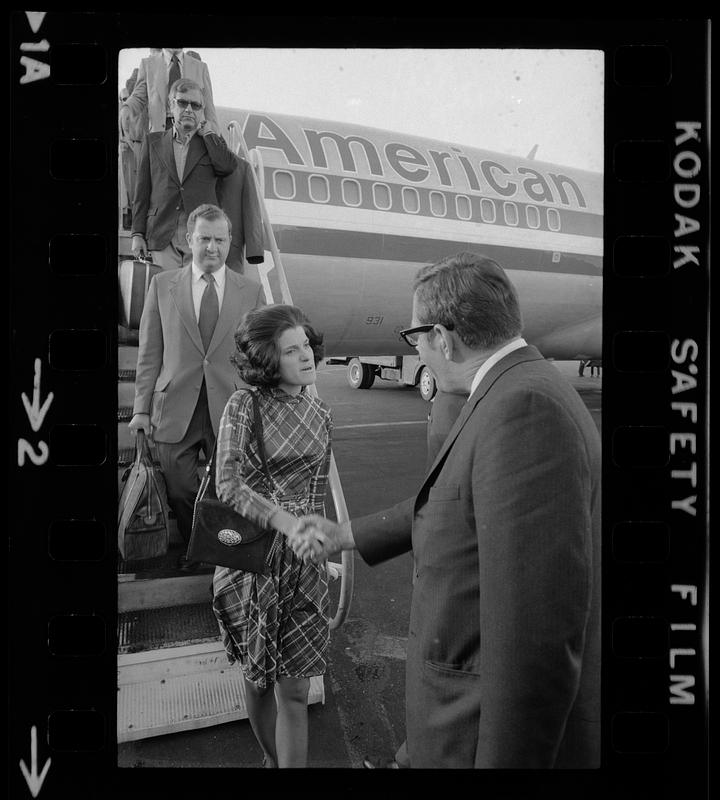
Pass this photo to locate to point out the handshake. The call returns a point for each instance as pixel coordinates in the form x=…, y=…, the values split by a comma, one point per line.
x=314, y=538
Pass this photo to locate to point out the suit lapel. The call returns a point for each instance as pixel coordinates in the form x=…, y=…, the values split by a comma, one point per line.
x=229, y=317
x=164, y=149
x=528, y=353
x=181, y=293
x=195, y=151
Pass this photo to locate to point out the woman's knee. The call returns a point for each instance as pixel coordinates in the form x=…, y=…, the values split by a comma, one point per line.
x=294, y=690
x=257, y=691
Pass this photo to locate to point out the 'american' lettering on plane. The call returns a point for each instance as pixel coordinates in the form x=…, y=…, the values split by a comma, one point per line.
x=449, y=167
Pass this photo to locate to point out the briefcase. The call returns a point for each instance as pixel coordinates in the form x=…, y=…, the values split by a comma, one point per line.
x=143, y=512
x=133, y=283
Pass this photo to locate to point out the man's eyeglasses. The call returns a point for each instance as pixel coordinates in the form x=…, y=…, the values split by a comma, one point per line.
x=410, y=335
x=192, y=103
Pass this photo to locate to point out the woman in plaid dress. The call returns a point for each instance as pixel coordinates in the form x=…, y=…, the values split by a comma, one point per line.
x=276, y=626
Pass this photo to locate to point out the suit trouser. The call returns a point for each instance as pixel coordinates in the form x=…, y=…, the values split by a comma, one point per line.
x=180, y=460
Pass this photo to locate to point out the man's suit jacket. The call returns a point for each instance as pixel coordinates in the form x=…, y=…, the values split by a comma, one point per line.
x=503, y=659
x=161, y=196
x=151, y=89
x=172, y=362
x=238, y=198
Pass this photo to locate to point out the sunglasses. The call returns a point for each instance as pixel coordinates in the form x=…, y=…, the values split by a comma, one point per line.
x=192, y=103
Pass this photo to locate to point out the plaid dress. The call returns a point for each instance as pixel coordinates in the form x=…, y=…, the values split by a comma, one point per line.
x=277, y=624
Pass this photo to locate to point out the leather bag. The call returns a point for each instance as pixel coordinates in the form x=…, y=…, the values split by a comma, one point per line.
x=143, y=511
x=133, y=283
x=220, y=535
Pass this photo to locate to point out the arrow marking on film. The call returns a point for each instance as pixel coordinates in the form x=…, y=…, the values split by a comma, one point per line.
x=36, y=412
x=34, y=781
x=35, y=19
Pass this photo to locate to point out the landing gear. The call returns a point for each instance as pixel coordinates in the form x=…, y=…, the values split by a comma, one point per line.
x=359, y=375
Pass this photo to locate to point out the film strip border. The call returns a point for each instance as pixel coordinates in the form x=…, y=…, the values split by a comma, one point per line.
x=63, y=402
x=655, y=393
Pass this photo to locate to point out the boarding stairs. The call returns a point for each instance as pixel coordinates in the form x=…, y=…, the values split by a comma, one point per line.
x=173, y=674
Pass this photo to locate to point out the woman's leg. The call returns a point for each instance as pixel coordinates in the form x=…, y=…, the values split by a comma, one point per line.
x=262, y=713
x=291, y=734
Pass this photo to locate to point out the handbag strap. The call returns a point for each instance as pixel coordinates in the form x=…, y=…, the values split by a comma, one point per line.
x=259, y=438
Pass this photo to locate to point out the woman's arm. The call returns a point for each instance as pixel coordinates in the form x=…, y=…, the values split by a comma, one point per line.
x=235, y=434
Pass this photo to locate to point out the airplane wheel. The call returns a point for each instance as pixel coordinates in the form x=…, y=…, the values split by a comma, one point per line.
x=427, y=384
x=359, y=375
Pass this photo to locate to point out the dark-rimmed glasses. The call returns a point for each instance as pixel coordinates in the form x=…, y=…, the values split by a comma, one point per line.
x=192, y=103
x=410, y=335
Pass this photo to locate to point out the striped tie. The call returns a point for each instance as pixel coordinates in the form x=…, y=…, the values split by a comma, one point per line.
x=209, y=310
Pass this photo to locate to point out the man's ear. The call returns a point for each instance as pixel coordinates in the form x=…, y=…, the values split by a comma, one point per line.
x=446, y=343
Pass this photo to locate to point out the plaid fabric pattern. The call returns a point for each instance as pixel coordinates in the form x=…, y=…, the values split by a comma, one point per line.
x=277, y=624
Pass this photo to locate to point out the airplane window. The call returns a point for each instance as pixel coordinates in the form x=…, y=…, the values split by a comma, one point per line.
x=511, y=213
x=438, y=205
x=381, y=196
x=319, y=188
x=284, y=183
x=533, y=216
x=553, y=219
x=487, y=210
x=462, y=204
x=411, y=200
x=351, y=192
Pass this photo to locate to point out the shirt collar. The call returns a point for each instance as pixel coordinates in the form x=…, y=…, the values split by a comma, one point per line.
x=281, y=394
x=219, y=275
x=516, y=344
x=167, y=56
x=176, y=135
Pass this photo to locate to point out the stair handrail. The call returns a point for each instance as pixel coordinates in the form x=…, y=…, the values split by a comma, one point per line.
x=254, y=159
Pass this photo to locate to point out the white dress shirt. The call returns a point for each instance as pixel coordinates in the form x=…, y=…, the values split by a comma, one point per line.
x=516, y=344
x=199, y=284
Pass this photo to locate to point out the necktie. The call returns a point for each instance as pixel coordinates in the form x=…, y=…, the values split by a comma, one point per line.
x=174, y=73
x=209, y=310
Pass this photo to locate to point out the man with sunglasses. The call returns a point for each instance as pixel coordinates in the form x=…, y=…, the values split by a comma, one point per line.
x=503, y=654
x=157, y=74
x=178, y=171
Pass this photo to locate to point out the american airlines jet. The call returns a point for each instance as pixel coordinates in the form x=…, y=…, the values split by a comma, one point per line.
x=356, y=211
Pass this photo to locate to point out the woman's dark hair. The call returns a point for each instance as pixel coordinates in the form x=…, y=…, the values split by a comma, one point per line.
x=257, y=356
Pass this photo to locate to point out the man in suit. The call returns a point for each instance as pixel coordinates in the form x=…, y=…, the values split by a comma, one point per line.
x=157, y=74
x=503, y=656
x=178, y=171
x=444, y=410
x=184, y=375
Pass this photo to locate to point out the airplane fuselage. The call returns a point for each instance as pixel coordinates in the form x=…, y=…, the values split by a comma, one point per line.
x=356, y=211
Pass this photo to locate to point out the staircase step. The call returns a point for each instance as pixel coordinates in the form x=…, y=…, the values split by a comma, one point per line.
x=126, y=394
x=126, y=375
x=124, y=414
x=154, y=628
x=127, y=357
x=180, y=689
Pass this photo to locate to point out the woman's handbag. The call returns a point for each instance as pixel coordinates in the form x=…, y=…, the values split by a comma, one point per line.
x=220, y=535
